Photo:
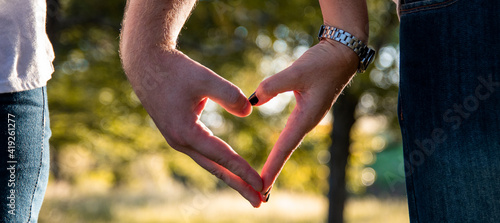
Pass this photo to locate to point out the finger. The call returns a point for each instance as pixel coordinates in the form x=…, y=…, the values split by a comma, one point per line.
x=228, y=96
x=288, y=141
x=286, y=80
x=221, y=153
x=233, y=181
x=302, y=120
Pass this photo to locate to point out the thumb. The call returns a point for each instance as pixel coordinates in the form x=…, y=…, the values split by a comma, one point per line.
x=286, y=80
x=229, y=96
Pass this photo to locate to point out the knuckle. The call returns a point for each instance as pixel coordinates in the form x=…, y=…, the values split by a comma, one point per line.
x=267, y=87
x=222, y=161
x=219, y=174
x=231, y=163
x=240, y=169
x=297, y=73
x=232, y=96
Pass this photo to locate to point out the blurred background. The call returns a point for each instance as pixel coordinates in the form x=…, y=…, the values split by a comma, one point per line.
x=111, y=164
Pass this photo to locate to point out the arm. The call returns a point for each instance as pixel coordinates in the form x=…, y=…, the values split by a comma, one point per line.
x=316, y=78
x=174, y=89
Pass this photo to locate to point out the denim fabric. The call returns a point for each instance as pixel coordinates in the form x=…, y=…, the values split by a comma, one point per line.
x=449, y=109
x=24, y=159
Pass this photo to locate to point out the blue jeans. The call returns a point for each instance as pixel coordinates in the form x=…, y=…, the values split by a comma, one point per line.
x=24, y=159
x=449, y=109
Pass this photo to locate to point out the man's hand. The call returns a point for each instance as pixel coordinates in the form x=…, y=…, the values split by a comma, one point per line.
x=174, y=89
x=316, y=78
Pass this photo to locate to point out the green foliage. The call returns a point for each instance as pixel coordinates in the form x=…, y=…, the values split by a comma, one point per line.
x=246, y=41
x=100, y=130
x=376, y=126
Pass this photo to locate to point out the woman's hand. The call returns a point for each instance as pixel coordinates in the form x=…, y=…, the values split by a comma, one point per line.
x=316, y=78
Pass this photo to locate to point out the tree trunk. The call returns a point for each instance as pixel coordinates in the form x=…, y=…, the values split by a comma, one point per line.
x=53, y=14
x=343, y=120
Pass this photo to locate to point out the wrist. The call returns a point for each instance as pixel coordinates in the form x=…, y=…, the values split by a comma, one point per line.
x=349, y=58
x=365, y=53
x=355, y=30
x=351, y=16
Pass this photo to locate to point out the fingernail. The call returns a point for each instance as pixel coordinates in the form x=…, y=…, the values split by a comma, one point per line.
x=268, y=190
x=253, y=99
x=268, y=196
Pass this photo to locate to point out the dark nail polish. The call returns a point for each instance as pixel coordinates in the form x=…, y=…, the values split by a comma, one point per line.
x=267, y=192
x=268, y=196
x=253, y=99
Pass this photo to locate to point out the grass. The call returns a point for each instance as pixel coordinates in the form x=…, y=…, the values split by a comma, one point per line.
x=177, y=204
x=376, y=210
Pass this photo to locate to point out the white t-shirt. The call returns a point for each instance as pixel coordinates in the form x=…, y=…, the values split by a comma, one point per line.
x=26, y=53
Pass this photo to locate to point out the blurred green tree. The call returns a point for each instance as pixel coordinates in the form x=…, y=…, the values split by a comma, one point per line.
x=100, y=129
x=371, y=98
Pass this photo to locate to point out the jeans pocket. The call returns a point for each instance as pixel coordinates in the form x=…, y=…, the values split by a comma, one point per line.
x=412, y=6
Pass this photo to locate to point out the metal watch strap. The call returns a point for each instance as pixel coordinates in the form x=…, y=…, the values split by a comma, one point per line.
x=365, y=53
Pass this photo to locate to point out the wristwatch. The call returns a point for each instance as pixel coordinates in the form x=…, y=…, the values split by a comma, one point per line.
x=365, y=53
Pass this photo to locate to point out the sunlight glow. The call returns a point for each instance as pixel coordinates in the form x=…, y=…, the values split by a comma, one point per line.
x=368, y=176
x=277, y=104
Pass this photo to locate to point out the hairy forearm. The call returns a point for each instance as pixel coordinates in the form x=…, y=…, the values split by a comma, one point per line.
x=349, y=15
x=153, y=23
x=149, y=26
